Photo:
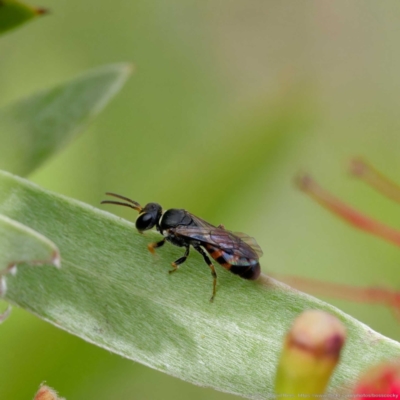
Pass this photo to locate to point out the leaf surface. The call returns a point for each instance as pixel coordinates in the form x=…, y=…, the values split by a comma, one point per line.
x=33, y=129
x=111, y=292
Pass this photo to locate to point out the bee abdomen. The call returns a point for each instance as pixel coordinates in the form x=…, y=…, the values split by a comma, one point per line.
x=250, y=270
x=218, y=256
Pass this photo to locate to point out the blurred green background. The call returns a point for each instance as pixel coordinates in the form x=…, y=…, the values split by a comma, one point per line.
x=228, y=102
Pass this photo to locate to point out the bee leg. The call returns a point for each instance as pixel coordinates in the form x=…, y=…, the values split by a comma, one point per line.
x=213, y=273
x=152, y=246
x=179, y=261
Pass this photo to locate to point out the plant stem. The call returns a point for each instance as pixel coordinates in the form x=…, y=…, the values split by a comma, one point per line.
x=349, y=214
x=366, y=172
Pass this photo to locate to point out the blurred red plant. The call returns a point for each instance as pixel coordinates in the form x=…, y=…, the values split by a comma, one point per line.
x=363, y=170
x=380, y=382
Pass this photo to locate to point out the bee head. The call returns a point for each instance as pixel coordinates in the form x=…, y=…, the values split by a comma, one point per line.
x=148, y=217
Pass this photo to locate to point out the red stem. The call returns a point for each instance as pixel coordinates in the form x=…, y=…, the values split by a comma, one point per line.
x=373, y=295
x=365, y=171
x=349, y=214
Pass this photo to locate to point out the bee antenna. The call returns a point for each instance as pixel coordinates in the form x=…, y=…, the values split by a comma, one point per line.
x=123, y=198
x=135, y=205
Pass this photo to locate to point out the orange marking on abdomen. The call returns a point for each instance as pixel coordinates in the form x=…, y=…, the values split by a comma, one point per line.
x=218, y=256
x=226, y=265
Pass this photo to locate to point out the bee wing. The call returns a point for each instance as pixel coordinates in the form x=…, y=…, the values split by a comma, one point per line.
x=219, y=238
x=201, y=223
x=250, y=241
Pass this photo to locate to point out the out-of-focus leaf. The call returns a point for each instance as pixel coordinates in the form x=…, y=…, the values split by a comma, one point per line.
x=33, y=129
x=111, y=292
x=14, y=13
x=20, y=244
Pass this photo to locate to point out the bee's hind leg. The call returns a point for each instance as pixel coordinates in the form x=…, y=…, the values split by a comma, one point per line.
x=213, y=273
x=180, y=261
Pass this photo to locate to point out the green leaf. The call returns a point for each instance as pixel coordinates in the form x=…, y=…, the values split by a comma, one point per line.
x=22, y=245
x=112, y=293
x=14, y=13
x=33, y=129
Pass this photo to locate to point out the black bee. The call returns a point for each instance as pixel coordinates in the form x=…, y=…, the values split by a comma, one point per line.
x=235, y=251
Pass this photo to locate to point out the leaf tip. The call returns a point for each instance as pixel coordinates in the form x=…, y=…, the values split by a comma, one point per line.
x=12, y=270
x=3, y=286
x=46, y=393
x=42, y=11
x=129, y=68
x=4, y=315
x=56, y=259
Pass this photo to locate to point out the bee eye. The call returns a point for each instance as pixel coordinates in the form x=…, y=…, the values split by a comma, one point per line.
x=146, y=221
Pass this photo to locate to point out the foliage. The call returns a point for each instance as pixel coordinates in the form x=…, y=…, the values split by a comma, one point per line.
x=111, y=293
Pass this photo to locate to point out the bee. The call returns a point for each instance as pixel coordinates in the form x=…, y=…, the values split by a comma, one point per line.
x=235, y=251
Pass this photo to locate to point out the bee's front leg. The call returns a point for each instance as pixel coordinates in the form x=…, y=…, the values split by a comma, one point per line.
x=179, y=261
x=152, y=246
